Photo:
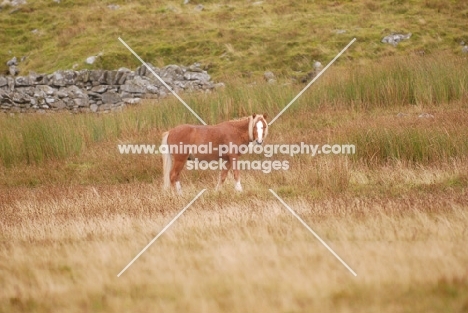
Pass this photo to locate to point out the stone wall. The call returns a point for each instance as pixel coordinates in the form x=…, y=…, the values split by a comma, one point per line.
x=96, y=90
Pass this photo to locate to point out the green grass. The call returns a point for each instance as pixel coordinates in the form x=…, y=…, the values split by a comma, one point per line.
x=420, y=145
x=232, y=38
x=392, y=84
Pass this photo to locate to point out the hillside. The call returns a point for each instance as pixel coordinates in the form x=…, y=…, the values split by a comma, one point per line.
x=230, y=38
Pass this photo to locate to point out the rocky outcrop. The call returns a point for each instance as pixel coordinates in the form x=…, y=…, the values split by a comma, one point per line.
x=96, y=90
x=394, y=39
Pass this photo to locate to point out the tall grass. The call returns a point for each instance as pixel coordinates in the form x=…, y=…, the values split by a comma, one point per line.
x=398, y=81
x=413, y=145
x=392, y=83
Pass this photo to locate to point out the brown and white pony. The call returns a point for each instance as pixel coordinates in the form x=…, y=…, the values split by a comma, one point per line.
x=238, y=132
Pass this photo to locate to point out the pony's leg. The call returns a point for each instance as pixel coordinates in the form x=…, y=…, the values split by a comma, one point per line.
x=179, y=163
x=223, y=175
x=238, y=185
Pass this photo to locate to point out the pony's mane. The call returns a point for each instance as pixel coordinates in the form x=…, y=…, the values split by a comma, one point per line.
x=251, y=123
x=245, y=118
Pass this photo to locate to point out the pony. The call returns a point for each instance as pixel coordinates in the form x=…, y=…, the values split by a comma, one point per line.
x=185, y=142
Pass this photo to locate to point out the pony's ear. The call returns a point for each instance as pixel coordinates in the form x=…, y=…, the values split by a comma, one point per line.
x=265, y=116
x=253, y=115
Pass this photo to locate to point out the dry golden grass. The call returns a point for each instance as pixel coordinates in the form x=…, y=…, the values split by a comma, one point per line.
x=396, y=213
x=62, y=248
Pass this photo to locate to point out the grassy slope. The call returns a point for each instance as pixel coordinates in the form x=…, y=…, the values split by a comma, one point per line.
x=73, y=211
x=235, y=37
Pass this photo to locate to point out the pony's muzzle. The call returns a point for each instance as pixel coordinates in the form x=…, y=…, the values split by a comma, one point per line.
x=258, y=142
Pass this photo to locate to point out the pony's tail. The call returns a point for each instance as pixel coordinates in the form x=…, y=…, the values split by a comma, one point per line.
x=167, y=162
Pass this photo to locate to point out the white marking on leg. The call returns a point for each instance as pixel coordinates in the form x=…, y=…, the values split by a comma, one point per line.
x=178, y=187
x=238, y=186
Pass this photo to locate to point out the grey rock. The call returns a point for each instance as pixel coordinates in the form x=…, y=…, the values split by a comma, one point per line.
x=62, y=93
x=268, y=75
x=16, y=2
x=82, y=76
x=136, y=85
x=110, y=98
x=195, y=67
x=82, y=91
x=199, y=7
x=26, y=90
x=172, y=72
x=201, y=76
x=90, y=60
x=64, y=78
x=13, y=61
x=148, y=72
x=394, y=39
x=120, y=77
x=124, y=69
x=35, y=79
x=43, y=90
x=13, y=70
x=317, y=65
x=10, y=83
x=110, y=77
x=152, y=89
x=95, y=76
x=3, y=81
x=99, y=89
x=132, y=100
x=18, y=97
x=140, y=71
x=59, y=104
x=74, y=92
x=113, y=6
x=426, y=115
x=105, y=107
x=124, y=94
x=465, y=49
x=22, y=81
x=81, y=102
x=150, y=96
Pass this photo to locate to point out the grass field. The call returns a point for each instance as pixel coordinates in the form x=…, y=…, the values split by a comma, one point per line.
x=237, y=38
x=74, y=211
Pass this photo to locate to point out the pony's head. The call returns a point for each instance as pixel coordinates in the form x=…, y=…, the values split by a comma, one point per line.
x=258, y=128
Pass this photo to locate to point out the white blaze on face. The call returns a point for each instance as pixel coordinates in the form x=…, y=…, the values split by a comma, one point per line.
x=260, y=131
